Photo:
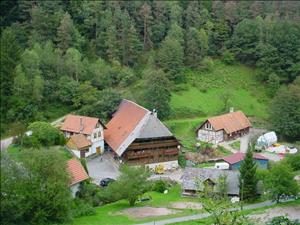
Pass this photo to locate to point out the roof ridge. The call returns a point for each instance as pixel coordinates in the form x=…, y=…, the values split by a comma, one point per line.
x=124, y=99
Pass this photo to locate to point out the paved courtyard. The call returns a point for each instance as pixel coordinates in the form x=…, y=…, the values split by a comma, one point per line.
x=102, y=168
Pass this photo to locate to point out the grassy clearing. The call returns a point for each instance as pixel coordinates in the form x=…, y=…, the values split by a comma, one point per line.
x=236, y=145
x=204, y=92
x=205, y=165
x=16, y=152
x=110, y=214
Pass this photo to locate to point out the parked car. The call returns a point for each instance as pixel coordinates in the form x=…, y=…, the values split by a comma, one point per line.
x=291, y=149
x=106, y=181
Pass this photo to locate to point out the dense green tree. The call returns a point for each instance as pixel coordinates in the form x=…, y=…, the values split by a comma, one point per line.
x=67, y=34
x=36, y=189
x=67, y=89
x=170, y=58
x=104, y=108
x=160, y=16
x=245, y=40
x=86, y=94
x=293, y=160
x=281, y=181
x=273, y=84
x=285, y=112
x=130, y=43
x=10, y=56
x=196, y=47
x=73, y=64
x=157, y=93
x=177, y=33
x=248, y=179
x=145, y=14
x=131, y=184
x=45, y=135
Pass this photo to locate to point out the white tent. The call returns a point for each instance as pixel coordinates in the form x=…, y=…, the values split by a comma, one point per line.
x=266, y=140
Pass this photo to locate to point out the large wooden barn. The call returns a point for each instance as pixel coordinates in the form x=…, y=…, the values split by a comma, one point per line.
x=137, y=137
x=224, y=127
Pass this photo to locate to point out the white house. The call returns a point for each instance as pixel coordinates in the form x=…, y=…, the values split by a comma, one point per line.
x=224, y=127
x=77, y=174
x=85, y=135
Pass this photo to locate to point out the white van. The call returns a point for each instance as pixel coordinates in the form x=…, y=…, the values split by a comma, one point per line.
x=222, y=166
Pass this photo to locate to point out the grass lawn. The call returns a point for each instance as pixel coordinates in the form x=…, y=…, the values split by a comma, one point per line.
x=204, y=165
x=236, y=145
x=204, y=92
x=110, y=214
x=209, y=221
x=16, y=152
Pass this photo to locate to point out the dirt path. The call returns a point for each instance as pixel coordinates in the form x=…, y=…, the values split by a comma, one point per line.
x=292, y=212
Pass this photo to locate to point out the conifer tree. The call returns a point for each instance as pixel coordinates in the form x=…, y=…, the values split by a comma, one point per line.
x=248, y=179
x=67, y=34
x=157, y=94
x=196, y=47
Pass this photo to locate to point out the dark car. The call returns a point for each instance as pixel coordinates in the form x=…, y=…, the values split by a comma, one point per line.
x=104, y=182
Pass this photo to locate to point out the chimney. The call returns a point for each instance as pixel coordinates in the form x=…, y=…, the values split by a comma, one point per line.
x=154, y=112
x=231, y=109
x=81, y=125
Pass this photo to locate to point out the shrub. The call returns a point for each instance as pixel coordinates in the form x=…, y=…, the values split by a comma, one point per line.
x=228, y=57
x=182, y=160
x=282, y=220
x=207, y=64
x=82, y=208
x=160, y=186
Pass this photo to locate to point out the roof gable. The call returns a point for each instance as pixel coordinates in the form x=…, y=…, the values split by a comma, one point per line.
x=72, y=123
x=153, y=128
x=76, y=171
x=230, y=122
x=124, y=122
x=132, y=121
x=78, y=141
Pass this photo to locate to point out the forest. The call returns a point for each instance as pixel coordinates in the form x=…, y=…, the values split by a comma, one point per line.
x=83, y=56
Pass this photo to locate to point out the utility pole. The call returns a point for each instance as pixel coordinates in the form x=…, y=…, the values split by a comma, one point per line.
x=242, y=193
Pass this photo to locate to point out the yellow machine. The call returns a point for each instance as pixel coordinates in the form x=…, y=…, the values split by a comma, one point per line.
x=276, y=145
x=159, y=169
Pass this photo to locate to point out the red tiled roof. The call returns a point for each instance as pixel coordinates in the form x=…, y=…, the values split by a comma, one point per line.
x=239, y=156
x=76, y=171
x=79, y=140
x=230, y=122
x=72, y=124
x=124, y=121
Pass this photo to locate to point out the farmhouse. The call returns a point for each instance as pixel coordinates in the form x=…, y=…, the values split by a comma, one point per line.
x=236, y=159
x=198, y=179
x=85, y=135
x=137, y=136
x=77, y=173
x=224, y=127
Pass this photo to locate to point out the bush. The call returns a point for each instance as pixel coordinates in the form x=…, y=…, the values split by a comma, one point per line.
x=207, y=64
x=282, y=220
x=182, y=160
x=160, y=186
x=43, y=134
x=82, y=208
x=228, y=57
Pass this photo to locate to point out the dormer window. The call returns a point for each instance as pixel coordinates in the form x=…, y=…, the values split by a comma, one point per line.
x=208, y=126
x=97, y=125
x=95, y=135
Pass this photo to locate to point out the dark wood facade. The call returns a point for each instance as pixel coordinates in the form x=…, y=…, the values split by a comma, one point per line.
x=236, y=134
x=153, y=150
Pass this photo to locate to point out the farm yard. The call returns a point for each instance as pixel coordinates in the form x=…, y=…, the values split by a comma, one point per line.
x=161, y=206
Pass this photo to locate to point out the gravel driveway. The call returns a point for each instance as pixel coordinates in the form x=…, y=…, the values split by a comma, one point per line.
x=99, y=169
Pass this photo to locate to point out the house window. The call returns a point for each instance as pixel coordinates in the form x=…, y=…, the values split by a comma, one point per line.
x=99, y=134
x=208, y=126
x=95, y=135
